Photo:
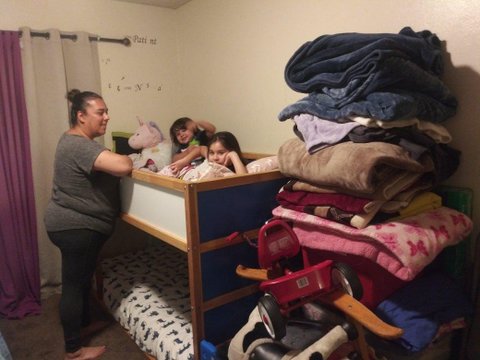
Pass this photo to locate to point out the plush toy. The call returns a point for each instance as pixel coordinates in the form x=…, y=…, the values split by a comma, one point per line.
x=156, y=150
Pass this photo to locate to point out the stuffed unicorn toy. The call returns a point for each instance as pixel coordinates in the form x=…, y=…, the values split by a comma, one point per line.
x=156, y=150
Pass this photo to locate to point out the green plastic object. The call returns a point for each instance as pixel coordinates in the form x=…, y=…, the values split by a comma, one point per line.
x=455, y=259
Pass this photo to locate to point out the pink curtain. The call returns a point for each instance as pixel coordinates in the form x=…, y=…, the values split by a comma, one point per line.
x=19, y=265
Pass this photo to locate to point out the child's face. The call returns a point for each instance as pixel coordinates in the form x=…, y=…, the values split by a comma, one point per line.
x=184, y=136
x=217, y=153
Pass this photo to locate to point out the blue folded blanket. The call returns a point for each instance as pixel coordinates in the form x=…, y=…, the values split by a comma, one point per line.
x=334, y=60
x=377, y=105
x=381, y=76
x=422, y=306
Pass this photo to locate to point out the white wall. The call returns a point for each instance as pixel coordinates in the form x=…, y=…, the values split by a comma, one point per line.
x=149, y=64
x=223, y=60
x=233, y=55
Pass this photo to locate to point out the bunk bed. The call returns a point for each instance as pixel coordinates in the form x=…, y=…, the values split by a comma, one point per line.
x=189, y=277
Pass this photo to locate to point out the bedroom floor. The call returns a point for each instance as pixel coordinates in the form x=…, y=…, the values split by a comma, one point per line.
x=40, y=337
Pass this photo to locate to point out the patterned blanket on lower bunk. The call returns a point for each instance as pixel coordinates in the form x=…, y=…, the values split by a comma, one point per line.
x=147, y=293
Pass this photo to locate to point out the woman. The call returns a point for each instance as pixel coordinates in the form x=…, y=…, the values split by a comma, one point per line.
x=82, y=211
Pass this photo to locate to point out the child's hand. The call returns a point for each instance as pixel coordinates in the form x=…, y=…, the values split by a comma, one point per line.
x=234, y=159
x=178, y=165
x=192, y=126
x=231, y=157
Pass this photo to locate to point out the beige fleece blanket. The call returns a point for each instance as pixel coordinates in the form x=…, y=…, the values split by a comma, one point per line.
x=349, y=167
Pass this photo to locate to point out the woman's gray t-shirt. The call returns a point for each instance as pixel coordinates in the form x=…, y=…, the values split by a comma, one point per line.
x=82, y=198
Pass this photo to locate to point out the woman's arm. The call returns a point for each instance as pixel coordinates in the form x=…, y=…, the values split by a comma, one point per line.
x=113, y=163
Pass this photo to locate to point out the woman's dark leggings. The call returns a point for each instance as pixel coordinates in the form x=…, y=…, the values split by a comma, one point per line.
x=80, y=249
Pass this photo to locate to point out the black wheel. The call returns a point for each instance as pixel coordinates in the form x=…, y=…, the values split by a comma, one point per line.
x=272, y=317
x=345, y=277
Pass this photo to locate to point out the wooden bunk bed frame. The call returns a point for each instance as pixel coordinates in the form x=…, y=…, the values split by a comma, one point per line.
x=199, y=218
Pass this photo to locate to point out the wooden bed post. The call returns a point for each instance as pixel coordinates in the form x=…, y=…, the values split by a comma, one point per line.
x=194, y=267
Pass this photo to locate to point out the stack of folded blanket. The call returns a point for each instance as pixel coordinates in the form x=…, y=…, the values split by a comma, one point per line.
x=368, y=154
x=369, y=128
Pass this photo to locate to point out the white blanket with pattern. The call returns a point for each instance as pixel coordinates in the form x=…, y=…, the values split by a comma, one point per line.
x=147, y=293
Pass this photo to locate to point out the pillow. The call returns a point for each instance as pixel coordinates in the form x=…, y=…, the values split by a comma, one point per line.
x=207, y=170
x=263, y=164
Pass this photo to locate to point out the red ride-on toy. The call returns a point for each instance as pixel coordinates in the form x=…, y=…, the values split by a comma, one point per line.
x=329, y=282
x=276, y=243
x=289, y=292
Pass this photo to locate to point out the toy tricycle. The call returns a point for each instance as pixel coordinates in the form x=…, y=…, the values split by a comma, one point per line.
x=328, y=282
x=291, y=291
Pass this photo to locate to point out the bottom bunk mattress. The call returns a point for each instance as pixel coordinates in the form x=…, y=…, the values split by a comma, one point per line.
x=147, y=293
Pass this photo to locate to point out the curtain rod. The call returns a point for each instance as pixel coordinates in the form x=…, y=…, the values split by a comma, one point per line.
x=125, y=41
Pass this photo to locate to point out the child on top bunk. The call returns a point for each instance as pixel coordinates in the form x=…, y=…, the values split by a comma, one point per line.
x=224, y=149
x=223, y=157
x=190, y=138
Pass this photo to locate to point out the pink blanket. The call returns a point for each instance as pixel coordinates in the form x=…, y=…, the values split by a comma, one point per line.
x=402, y=247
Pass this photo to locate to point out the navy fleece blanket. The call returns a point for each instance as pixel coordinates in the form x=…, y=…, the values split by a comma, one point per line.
x=422, y=306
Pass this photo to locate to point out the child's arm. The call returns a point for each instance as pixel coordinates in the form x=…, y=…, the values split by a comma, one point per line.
x=207, y=126
x=237, y=163
x=187, y=156
x=179, y=155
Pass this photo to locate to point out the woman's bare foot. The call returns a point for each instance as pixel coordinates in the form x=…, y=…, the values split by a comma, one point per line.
x=86, y=353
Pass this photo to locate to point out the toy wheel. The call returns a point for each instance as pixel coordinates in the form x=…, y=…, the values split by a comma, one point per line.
x=345, y=277
x=272, y=317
